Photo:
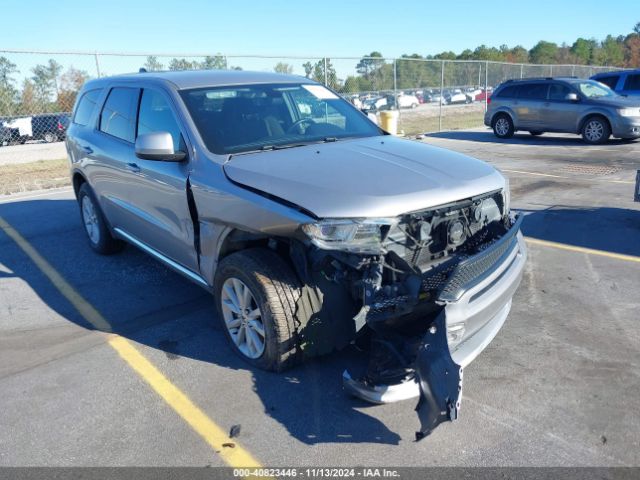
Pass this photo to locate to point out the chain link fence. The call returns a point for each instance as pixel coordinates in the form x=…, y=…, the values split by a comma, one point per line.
x=38, y=89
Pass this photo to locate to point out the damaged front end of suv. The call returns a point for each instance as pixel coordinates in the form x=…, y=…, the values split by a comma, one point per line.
x=431, y=289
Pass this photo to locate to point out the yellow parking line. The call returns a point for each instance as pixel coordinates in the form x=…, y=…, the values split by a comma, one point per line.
x=590, y=251
x=213, y=434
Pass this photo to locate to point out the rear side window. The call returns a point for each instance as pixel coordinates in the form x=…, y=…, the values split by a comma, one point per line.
x=508, y=92
x=557, y=91
x=632, y=82
x=610, y=81
x=86, y=106
x=533, y=91
x=156, y=116
x=119, y=113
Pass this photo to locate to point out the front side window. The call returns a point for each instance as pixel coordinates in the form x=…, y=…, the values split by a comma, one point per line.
x=632, y=82
x=591, y=89
x=533, y=91
x=252, y=117
x=86, y=106
x=119, y=112
x=610, y=81
x=557, y=91
x=156, y=116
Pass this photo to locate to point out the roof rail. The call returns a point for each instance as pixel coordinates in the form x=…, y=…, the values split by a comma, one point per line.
x=538, y=78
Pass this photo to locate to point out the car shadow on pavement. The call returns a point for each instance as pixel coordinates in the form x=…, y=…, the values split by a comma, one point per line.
x=615, y=230
x=520, y=138
x=150, y=304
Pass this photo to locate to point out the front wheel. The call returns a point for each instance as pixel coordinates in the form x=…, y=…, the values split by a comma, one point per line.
x=257, y=296
x=503, y=126
x=596, y=130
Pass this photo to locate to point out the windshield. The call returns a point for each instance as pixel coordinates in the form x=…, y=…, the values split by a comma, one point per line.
x=591, y=89
x=252, y=117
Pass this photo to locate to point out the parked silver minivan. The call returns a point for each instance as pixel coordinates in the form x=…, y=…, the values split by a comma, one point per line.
x=312, y=227
x=567, y=105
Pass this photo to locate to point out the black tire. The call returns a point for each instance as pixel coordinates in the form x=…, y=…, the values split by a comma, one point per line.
x=596, y=130
x=50, y=137
x=276, y=291
x=500, y=129
x=101, y=242
x=536, y=133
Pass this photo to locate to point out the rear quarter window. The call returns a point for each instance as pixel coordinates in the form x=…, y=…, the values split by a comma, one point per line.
x=632, y=82
x=610, y=81
x=86, y=106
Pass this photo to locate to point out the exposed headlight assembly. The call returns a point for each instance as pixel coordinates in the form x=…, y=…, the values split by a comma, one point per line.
x=356, y=236
x=629, y=112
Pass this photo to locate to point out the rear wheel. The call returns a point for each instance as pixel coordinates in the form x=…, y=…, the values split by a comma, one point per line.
x=257, y=297
x=503, y=126
x=50, y=137
x=596, y=130
x=536, y=133
x=95, y=226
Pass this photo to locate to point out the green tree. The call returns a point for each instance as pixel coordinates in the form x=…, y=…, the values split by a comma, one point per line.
x=8, y=92
x=282, y=67
x=445, y=56
x=216, y=62
x=183, y=64
x=369, y=64
x=582, y=49
x=45, y=82
x=613, y=51
x=544, y=52
x=153, y=64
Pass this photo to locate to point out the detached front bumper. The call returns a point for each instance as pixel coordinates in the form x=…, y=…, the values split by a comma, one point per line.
x=476, y=299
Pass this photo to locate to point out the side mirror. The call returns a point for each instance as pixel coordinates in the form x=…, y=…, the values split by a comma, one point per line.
x=157, y=146
x=572, y=97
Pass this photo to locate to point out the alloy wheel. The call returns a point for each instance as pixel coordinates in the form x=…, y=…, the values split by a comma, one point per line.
x=502, y=126
x=90, y=219
x=594, y=131
x=243, y=318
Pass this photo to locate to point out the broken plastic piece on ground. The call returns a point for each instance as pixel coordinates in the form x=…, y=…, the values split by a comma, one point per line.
x=380, y=394
x=235, y=431
x=439, y=378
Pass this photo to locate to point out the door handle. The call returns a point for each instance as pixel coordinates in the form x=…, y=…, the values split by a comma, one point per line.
x=133, y=167
x=87, y=149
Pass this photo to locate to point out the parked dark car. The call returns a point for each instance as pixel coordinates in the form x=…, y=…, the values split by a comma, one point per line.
x=623, y=82
x=8, y=135
x=50, y=127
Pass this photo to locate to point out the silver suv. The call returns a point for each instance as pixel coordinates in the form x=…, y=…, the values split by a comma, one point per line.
x=567, y=105
x=312, y=227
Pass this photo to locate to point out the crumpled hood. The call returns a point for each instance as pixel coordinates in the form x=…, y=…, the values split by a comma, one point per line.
x=379, y=176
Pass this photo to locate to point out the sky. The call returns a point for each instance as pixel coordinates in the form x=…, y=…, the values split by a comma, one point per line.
x=313, y=28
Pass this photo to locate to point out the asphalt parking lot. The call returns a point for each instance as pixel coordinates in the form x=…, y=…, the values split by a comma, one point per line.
x=557, y=387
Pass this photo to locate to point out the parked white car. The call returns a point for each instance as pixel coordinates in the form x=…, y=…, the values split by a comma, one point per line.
x=408, y=101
